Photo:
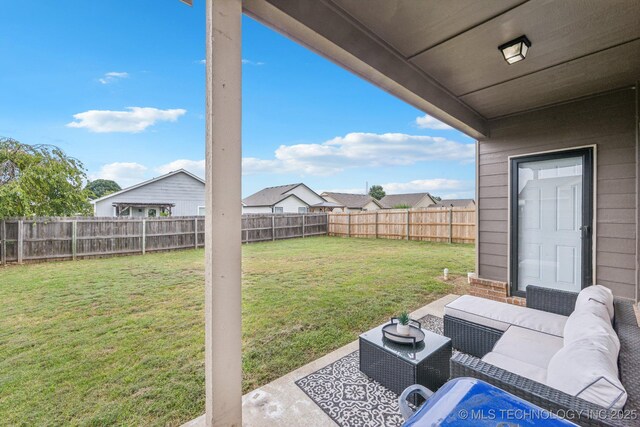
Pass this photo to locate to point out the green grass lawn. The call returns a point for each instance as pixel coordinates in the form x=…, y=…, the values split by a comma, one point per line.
x=120, y=341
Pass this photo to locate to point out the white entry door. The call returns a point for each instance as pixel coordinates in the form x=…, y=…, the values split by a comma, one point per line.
x=551, y=222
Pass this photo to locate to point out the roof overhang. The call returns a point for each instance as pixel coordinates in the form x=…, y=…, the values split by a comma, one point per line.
x=442, y=57
x=142, y=204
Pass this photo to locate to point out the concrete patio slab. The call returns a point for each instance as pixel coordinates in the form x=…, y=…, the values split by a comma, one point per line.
x=281, y=402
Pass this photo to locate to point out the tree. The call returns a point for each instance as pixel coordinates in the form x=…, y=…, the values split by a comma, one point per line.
x=101, y=187
x=40, y=180
x=402, y=206
x=436, y=198
x=377, y=192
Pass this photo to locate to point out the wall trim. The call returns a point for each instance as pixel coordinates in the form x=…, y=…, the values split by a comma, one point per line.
x=637, y=129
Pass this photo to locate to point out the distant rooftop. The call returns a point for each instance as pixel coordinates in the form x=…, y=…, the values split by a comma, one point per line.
x=353, y=201
x=456, y=203
x=409, y=199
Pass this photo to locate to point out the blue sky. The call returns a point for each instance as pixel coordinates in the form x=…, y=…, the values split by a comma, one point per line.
x=120, y=86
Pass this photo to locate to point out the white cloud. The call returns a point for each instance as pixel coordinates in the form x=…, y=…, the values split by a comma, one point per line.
x=194, y=166
x=428, y=122
x=125, y=174
x=250, y=62
x=113, y=76
x=360, y=150
x=134, y=120
x=428, y=185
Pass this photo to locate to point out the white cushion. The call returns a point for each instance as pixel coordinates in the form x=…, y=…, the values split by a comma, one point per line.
x=585, y=369
x=584, y=324
x=533, y=347
x=516, y=366
x=500, y=315
x=599, y=294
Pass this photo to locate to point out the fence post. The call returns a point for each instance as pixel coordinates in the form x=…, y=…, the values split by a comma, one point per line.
x=20, y=240
x=451, y=224
x=349, y=224
x=74, y=239
x=303, y=217
x=408, y=223
x=273, y=227
x=3, y=258
x=376, y=224
x=195, y=232
x=326, y=222
x=143, y=237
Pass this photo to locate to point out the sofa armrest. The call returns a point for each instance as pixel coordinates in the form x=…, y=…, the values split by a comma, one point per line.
x=551, y=300
x=575, y=409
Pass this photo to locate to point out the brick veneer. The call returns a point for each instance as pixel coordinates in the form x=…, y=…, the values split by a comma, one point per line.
x=495, y=290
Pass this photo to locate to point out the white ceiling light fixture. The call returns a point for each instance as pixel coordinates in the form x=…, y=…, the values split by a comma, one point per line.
x=515, y=50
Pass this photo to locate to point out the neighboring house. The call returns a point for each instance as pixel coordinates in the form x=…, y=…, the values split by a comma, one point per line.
x=352, y=202
x=412, y=200
x=178, y=193
x=456, y=203
x=291, y=198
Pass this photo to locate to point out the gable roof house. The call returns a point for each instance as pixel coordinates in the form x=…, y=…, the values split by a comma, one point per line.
x=177, y=193
x=412, y=200
x=353, y=202
x=456, y=203
x=291, y=198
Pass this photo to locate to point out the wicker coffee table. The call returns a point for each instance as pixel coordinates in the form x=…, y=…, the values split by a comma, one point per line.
x=397, y=366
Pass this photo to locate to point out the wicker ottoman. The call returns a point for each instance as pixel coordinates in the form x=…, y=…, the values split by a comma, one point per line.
x=398, y=366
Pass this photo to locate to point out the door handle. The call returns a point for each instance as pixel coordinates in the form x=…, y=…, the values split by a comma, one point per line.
x=585, y=229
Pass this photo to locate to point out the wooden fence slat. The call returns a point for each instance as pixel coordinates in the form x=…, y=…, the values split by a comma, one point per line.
x=20, y=241
x=74, y=238
x=143, y=236
x=454, y=225
x=3, y=259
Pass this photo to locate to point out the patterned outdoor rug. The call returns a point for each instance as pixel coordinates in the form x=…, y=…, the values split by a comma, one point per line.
x=350, y=398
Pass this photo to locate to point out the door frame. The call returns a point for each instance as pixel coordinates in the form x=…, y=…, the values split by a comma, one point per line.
x=588, y=245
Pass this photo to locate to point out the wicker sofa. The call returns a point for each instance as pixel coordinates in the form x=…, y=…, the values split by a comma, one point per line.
x=475, y=340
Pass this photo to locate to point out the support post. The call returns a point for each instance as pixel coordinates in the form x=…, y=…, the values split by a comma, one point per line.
x=143, y=237
x=376, y=224
x=3, y=259
x=326, y=222
x=195, y=233
x=451, y=225
x=408, y=223
x=74, y=239
x=273, y=226
x=20, y=241
x=303, y=217
x=348, y=224
x=223, y=221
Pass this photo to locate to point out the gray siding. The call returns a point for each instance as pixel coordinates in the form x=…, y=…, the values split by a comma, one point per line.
x=186, y=192
x=606, y=121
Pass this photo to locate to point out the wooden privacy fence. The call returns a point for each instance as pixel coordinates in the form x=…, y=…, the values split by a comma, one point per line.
x=44, y=239
x=453, y=225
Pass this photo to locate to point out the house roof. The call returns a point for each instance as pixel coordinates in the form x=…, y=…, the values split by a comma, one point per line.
x=410, y=199
x=353, y=201
x=271, y=195
x=139, y=204
x=142, y=184
x=327, y=205
x=456, y=203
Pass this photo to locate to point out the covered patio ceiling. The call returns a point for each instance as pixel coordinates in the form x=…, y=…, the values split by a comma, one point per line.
x=443, y=58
